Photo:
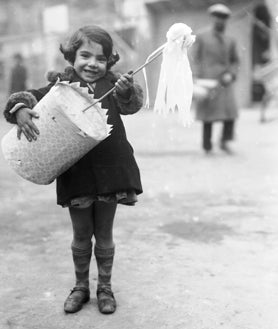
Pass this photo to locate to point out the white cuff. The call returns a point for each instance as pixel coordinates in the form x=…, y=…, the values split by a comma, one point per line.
x=17, y=107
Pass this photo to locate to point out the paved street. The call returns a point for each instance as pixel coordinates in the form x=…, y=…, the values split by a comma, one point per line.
x=198, y=251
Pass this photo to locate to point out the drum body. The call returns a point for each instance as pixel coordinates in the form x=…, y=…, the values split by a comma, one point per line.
x=67, y=133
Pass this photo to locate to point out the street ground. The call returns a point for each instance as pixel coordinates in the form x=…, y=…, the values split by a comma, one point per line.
x=198, y=251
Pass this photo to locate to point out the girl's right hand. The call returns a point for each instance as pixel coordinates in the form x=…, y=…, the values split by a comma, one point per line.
x=26, y=125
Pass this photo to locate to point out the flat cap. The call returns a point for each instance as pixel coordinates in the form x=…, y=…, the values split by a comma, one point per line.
x=219, y=10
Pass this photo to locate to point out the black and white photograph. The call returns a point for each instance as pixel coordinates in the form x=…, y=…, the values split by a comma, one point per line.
x=139, y=164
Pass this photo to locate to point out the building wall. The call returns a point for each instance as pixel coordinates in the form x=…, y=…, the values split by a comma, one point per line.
x=22, y=31
x=137, y=28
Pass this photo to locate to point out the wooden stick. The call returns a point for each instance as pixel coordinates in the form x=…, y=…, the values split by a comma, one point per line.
x=133, y=73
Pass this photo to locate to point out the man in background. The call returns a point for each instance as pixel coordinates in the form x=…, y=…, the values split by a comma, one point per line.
x=216, y=58
x=18, y=76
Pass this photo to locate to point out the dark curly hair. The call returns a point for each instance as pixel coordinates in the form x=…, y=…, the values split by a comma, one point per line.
x=90, y=33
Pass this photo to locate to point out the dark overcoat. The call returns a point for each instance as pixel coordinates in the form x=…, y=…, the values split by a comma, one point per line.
x=214, y=55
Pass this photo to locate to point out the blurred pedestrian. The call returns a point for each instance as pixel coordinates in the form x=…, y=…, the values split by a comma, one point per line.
x=107, y=175
x=18, y=77
x=216, y=58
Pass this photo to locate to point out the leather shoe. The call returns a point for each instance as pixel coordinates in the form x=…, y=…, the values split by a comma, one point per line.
x=106, y=301
x=77, y=297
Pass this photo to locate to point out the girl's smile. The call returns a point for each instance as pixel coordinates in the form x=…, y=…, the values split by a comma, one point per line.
x=90, y=63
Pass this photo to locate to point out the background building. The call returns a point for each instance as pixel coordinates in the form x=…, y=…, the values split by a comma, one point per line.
x=253, y=24
x=36, y=28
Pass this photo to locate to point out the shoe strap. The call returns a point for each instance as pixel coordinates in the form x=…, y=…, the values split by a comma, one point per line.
x=83, y=289
x=106, y=291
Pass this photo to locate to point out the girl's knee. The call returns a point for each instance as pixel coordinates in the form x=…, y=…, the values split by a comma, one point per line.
x=83, y=243
x=103, y=223
x=104, y=241
x=83, y=228
x=104, y=236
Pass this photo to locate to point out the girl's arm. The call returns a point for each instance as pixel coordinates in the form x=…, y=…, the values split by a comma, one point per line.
x=19, y=111
x=128, y=95
x=16, y=102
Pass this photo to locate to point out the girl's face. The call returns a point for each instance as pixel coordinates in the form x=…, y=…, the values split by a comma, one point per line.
x=90, y=63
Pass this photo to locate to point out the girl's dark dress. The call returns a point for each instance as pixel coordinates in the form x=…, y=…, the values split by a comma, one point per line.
x=108, y=169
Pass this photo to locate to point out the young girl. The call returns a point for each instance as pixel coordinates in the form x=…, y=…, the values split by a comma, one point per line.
x=105, y=176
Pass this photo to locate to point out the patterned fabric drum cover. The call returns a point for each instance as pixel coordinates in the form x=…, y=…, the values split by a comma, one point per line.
x=66, y=134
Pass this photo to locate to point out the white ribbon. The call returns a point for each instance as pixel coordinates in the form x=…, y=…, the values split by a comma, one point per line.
x=175, y=85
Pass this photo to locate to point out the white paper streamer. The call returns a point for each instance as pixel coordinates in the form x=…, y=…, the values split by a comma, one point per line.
x=153, y=55
x=175, y=86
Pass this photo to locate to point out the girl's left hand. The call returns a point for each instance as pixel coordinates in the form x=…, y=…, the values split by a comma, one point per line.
x=123, y=84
